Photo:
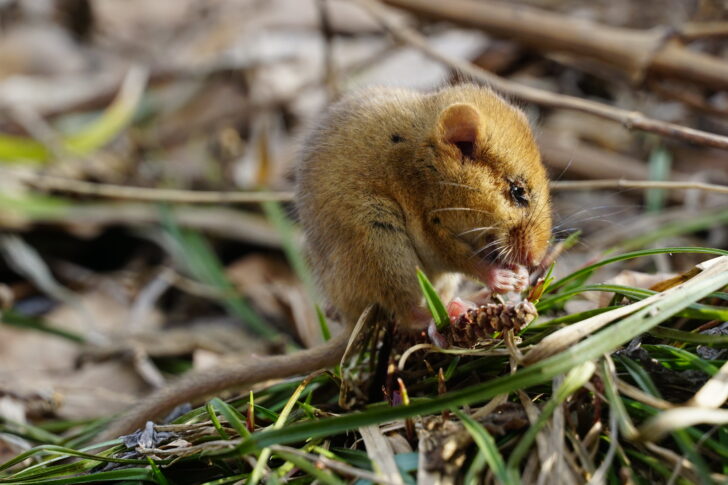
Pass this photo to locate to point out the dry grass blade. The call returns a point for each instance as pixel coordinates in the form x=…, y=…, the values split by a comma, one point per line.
x=381, y=454
x=714, y=393
x=657, y=427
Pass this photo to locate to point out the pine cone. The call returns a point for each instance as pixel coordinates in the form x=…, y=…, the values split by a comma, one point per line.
x=481, y=323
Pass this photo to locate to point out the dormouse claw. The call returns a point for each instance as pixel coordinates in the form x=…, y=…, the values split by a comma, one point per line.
x=505, y=279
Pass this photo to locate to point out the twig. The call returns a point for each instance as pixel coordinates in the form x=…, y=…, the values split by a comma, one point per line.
x=48, y=182
x=702, y=30
x=637, y=53
x=328, y=35
x=584, y=161
x=686, y=96
x=635, y=184
x=629, y=119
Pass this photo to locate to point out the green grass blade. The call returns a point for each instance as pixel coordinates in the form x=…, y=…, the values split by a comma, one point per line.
x=616, y=404
x=232, y=417
x=634, y=254
x=108, y=476
x=487, y=446
x=158, y=475
x=323, y=324
x=571, y=318
x=322, y=476
x=66, y=451
x=659, y=164
x=275, y=214
x=277, y=426
x=437, y=308
x=90, y=138
x=696, y=310
x=216, y=422
x=691, y=360
x=689, y=337
x=192, y=251
x=21, y=149
x=114, y=119
x=29, y=431
x=14, y=319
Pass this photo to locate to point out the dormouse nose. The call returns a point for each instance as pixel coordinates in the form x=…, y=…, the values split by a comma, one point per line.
x=527, y=249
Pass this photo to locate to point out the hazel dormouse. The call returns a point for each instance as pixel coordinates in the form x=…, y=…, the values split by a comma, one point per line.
x=391, y=180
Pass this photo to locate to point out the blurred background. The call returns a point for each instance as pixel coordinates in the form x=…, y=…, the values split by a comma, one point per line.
x=103, y=293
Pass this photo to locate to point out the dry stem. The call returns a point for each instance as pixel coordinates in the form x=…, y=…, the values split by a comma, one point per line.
x=635, y=184
x=48, y=182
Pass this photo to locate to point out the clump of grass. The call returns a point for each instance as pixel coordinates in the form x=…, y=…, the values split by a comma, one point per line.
x=590, y=411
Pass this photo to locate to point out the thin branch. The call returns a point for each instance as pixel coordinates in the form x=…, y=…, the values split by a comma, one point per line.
x=327, y=33
x=629, y=119
x=702, y=30
x=635, y=184
x=47, y=182
x=685, y=95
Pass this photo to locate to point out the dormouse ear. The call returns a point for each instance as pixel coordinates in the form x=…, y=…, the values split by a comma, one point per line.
x=460, y=124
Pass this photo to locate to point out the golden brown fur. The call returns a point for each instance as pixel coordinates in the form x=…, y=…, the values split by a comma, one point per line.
x=389, y=181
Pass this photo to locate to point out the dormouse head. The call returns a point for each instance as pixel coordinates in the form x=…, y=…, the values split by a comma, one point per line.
x=487, y=199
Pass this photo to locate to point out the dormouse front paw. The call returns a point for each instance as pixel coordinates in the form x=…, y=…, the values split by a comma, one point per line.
x=504, y=279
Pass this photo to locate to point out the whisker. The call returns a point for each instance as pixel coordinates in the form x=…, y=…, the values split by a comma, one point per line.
x=535, y=214
x=502, y=253
x=506, y=255
x=566, y=230
x=567, y=167
x=469, y=209
x=621, y=208
x=498, y=250
x=476, y=229
x=581, y=211
x=598, y=217
x=497, y=241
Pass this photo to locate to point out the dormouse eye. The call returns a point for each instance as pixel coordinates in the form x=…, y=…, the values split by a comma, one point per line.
x=519, y=194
